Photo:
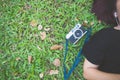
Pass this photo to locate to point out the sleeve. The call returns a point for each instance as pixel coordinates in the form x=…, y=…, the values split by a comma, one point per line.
x=93, y=50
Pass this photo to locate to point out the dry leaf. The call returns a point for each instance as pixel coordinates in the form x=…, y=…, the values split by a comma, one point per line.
x=92, y=23
x=99, y=21
x=33, y=23
x=0, y=51
x=85, y=23
x=56, y=62
x=39, y=47
x=41, y=75
x=15, y=73
x=40, y=27
x=47, y=29
x=56, y=47
x=29, y=59
x=43, y=35
x=35, y=35
x=76, y=19
x=18, y=58
x=27, y=6
x=55, y=79
x=52, y=72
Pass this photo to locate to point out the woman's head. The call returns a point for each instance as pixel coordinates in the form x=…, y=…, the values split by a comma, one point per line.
x=104, y=10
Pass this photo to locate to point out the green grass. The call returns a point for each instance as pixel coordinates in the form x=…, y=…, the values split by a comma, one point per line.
x=17, y=36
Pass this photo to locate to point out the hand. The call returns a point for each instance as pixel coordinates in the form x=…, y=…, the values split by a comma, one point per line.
x=117, y=27
x=91, y=72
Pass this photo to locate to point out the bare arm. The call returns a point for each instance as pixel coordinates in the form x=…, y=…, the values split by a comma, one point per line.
x=92, y=73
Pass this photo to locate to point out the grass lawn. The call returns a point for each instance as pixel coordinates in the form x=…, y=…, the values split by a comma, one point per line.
x=28, y=30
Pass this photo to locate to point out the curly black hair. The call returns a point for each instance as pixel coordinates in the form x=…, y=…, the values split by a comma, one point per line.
x=104, y=10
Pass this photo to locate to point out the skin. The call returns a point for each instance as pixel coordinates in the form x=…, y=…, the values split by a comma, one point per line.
x=90, y=70
x=118, y=13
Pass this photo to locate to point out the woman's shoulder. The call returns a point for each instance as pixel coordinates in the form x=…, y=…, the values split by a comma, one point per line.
x=104, y=31
x=101, y=34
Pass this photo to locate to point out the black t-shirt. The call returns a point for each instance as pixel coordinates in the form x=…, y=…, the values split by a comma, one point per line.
x=103, y=49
